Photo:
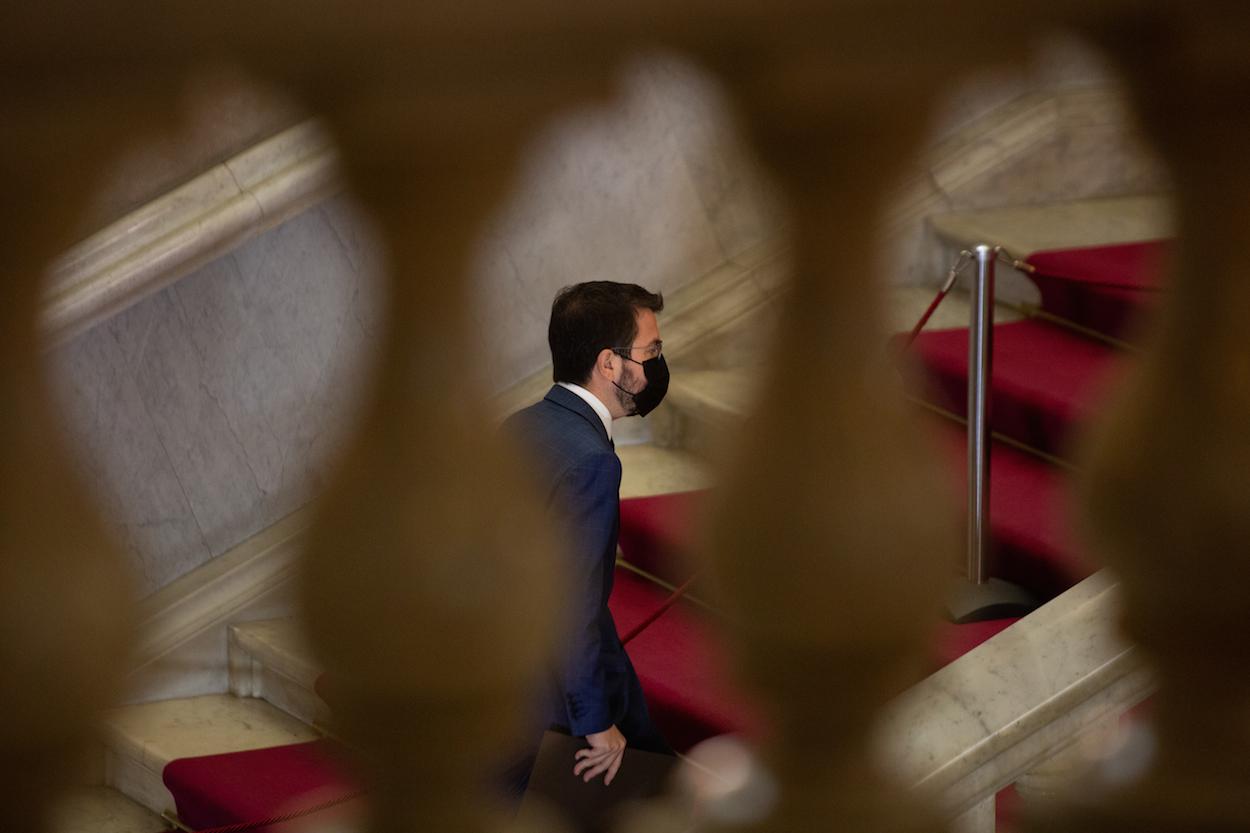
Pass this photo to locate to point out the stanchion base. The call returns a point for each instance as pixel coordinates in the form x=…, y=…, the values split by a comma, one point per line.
x=996, y=599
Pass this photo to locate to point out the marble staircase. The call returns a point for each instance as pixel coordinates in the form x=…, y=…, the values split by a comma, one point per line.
x=273, y=673
x=272, y=697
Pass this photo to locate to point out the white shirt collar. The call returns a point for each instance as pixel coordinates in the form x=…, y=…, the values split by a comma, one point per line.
x=592, y=401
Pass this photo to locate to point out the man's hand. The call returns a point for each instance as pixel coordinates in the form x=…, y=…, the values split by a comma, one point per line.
x=607, y=748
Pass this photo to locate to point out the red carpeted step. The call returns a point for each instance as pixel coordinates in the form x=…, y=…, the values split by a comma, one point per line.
x=257, y=784
x=1104, y=288
x=682, y=666
x=658, y=532
x=1045, y=379
x=1030, y=524
x=633, y=599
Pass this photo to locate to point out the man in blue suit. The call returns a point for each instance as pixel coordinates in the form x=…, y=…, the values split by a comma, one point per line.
x=607, y=362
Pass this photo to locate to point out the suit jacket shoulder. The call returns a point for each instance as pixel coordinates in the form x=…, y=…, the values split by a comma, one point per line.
x=560, y=432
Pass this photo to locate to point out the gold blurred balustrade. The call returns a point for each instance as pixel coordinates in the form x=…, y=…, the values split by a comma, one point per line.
x=827, y=547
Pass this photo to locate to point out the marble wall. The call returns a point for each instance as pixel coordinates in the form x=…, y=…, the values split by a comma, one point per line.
x=653, y=189
x=209, y=411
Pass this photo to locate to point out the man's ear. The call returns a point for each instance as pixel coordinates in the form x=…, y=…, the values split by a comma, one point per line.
x=605, y=362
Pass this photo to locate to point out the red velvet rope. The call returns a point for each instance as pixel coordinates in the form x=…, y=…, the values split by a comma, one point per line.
x=659, y=611
x=924, y=319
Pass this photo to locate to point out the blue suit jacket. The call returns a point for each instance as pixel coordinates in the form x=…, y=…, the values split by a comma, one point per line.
x=578, y=468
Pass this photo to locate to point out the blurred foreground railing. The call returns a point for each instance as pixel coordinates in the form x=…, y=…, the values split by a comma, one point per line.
x=828, y=550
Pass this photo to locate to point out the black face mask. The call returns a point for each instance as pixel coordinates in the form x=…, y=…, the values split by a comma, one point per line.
x=656, y=373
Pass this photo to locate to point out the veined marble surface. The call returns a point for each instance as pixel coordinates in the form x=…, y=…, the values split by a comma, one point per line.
x=281, y=643
x=650, y=188
x=210, y=216
x=1014, y=701
x=653, y=470
x=157, y=733
x=102, y=810
x=1027, y=229
x=207, y=412
x=1058, y=130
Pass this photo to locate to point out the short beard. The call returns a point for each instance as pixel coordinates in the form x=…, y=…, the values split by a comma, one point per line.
x=624, y=397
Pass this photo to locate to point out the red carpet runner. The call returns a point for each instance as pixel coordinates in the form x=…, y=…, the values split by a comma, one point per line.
x=258, y=784
x=1047, y=380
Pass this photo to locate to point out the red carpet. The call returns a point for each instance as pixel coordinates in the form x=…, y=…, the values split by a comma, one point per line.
x=1030, y=532
x=1046, y=380
x=682, y=665
x=1105, y=288
x=217, y=790
x=658, y=532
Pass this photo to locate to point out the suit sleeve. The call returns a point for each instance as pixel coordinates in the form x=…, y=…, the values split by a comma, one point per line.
x=589, y=493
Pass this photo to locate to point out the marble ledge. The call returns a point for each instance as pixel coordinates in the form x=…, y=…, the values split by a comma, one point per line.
x=985, y=719
x=993, y=141
x=279, y=644
x=153, y=734
x=1061, y=225
x=171, y=236
x=209, y=595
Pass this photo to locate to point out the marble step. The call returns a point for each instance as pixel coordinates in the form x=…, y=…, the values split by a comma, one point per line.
x=650, y=469
x=102, y=810
x=701, y=408
x=140, y=740
x=271, y=660
x=1023, y=230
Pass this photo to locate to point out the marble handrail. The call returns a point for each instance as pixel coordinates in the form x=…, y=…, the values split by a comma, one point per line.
x=171, y=236
x=1013, y=702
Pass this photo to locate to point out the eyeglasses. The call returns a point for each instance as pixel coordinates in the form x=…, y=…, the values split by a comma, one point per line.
x=651, y=351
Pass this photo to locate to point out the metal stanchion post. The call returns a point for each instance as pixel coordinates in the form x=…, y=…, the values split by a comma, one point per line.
x=980, y=597
x=980, y=367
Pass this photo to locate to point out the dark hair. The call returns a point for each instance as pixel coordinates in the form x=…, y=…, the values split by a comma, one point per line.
x=588, y=317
